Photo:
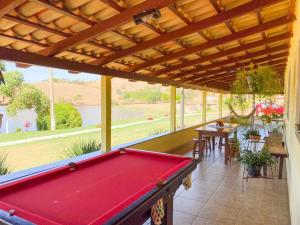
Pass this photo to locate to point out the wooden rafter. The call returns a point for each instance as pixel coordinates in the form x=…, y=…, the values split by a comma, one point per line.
x=233, y=74
x=8, y=5
x=35, y=59
x=235, y=36
x=276, y=57
x=223, y=53
x=232, y=60
x=195, y=79
x=101, y=27
x=192, y=28
x=226, y=77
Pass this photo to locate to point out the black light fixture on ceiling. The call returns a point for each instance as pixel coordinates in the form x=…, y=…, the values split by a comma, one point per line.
x=146, y=16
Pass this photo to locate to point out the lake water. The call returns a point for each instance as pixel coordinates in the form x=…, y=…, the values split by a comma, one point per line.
x=91, y=115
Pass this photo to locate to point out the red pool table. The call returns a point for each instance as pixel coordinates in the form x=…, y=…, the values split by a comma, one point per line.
x=119, y=187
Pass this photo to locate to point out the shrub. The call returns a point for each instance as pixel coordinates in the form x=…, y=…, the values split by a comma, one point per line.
x=66, y=116
x=3, y=165
x=82, y=147
x=157, y=131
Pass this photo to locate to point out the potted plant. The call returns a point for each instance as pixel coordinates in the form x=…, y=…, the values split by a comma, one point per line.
x=266, y=118
x=219, y=123
x=252, y=135
x=255, y=161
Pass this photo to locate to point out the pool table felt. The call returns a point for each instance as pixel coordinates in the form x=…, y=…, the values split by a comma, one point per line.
x=99, y=189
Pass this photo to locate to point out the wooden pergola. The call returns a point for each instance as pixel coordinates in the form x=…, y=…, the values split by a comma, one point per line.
x=194, y=43
x=198, y=44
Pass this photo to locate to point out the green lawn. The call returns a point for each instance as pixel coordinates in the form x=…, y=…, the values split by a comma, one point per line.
x=33, y=134
x=24, y=156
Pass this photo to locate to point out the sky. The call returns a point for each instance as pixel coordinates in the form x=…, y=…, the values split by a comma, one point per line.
x=36, y=74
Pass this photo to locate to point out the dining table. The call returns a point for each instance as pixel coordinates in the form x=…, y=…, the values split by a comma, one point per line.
x=213, y=130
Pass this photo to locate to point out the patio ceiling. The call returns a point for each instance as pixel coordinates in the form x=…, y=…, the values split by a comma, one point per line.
x=195, y=43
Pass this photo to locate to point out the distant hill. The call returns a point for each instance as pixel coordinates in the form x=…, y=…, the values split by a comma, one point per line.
x=87, y=93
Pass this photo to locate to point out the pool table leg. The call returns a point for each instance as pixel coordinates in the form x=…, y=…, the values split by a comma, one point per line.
x=168, y=219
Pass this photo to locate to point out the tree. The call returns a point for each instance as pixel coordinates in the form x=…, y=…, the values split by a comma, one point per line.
x=67, y=116
x=19, y=96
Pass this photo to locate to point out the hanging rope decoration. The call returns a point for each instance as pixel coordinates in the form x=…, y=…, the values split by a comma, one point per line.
x=158, y=212
x=187, y=182
x=240, y=116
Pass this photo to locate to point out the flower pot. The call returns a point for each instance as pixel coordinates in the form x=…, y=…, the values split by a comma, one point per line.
x=254, y=171
x=254, y=137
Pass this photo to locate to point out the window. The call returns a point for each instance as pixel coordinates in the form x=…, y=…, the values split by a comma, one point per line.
x=212, y=106
x=26, y=139
x=139, y=110
x=192, y=107
x=225, y=108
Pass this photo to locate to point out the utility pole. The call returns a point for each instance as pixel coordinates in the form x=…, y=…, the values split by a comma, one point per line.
x=51, y=97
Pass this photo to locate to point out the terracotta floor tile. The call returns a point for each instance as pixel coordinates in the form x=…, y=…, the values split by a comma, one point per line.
x=216, y=197
x=180, y=218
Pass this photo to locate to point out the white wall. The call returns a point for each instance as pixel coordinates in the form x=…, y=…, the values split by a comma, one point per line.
x=292, y=100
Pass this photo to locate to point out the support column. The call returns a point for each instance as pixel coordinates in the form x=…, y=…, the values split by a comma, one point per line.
x=105, y=113
x=182, y=109
x=220, y=105
x=51, y=98
x=204, y=95
x=173, y=109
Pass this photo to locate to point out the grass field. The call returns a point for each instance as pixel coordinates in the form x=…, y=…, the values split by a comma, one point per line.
x=24, y=156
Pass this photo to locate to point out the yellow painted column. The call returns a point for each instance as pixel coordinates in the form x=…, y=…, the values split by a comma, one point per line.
x=220, y=105
x=204, y=95
x=105, y=113
x=173, y=109
x=182, y=109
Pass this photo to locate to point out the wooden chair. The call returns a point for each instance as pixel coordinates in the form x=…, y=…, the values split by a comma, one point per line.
x=196, y=147
x=221, y=143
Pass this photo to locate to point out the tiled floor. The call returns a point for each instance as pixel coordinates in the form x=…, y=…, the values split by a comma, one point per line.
x=216, y=197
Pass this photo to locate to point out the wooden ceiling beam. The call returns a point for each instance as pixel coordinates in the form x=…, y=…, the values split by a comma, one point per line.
x=223, y=53
x=40, y=60
x=7, y=6
x=226, y=74
x=219, y=41
x=192, y=28
x=278, y=58
x=231, y=60
x=103, y=26
x=230, y=76
x=277, y=63
x=51, y=30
